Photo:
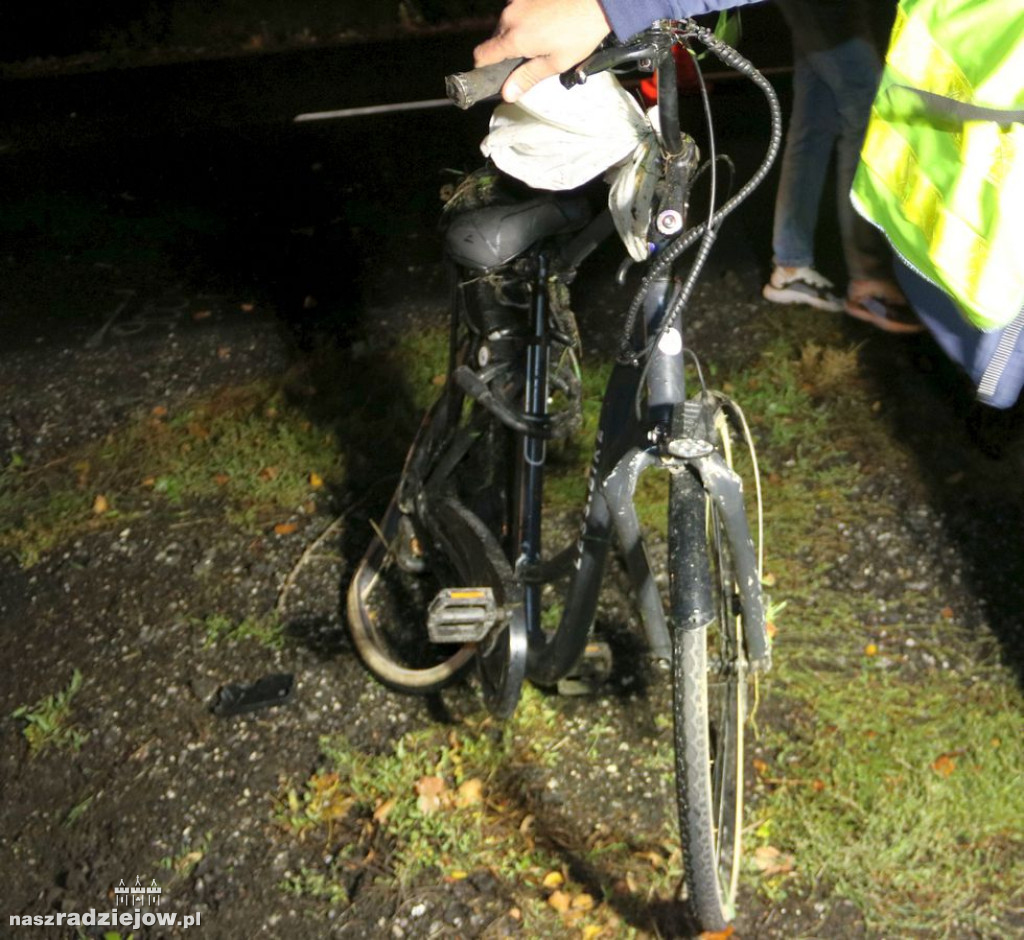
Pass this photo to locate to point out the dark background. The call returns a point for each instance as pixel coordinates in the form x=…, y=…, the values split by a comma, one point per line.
x=50, y=29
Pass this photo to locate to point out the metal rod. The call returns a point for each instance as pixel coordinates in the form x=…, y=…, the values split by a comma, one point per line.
x=373, y=109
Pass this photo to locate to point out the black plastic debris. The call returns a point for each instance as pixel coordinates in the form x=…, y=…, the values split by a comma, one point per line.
x=271, y=690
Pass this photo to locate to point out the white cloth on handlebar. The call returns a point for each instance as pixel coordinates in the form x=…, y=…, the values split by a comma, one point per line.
x=631, y=196
x=556, y=138
x=560, y=138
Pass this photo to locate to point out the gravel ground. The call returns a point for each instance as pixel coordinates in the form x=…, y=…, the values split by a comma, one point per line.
x=163, y=789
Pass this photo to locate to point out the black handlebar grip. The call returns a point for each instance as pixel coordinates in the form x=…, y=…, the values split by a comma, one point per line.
x=469, y=88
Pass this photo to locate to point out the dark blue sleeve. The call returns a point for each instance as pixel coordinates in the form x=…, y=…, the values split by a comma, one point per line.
x=628, y=17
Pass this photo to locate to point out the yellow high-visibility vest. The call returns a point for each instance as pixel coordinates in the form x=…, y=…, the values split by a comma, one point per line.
x=942, y=165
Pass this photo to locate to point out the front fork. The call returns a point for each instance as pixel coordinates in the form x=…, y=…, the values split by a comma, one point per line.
x=615, y=477
x=682, y=445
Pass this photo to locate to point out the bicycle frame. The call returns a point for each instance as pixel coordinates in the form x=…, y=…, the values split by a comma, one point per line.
x=468, y=510
x=624, y=451
x=628, y=445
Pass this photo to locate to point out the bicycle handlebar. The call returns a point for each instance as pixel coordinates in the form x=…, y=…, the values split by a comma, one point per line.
x=648, y=52
x=469, y=88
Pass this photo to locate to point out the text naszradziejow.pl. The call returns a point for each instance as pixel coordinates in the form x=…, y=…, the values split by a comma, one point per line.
x=134, y=919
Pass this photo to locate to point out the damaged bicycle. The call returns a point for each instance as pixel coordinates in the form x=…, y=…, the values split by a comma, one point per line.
x=466, y=571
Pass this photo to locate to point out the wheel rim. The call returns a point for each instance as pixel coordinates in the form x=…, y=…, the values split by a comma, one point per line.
x=370, y=625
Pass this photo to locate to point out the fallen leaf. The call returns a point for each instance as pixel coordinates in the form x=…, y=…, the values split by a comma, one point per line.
x=380, y=814
x=947, y=613
x=583, y=902
x=560, y=901
x=100, y=505
x=553, y=879
x=718, y=934
x=202, y=315
x=315, y=480
x=760, y=766
x=770, y=861
x=427, y=804
x=186, y=862
x=945, y=764
x=221, y=479
x=430, y=791
x=470, y=793
x=247, y=308
x=434, y=786
x=655, y=858
x=285, y=528
x=590, y=931
x=269, y=473
x=159, y=411
x=871, y=649
x=223, y=353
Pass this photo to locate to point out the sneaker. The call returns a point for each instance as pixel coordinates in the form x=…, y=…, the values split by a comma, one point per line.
x=801, y=286
x=885, y=314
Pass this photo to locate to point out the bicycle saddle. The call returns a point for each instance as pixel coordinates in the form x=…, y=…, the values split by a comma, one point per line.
x=487, y=238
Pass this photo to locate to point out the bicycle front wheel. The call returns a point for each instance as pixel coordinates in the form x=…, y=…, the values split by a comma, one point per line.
x=710, y=680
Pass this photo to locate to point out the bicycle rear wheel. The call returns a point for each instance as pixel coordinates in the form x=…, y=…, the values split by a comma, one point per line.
x=392, y=588
x=449, y=525
x=710, y=685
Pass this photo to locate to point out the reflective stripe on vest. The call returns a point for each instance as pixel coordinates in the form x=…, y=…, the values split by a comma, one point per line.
x=946, y=188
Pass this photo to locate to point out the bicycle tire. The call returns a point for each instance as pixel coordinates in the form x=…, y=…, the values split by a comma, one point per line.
x=710, y=677
x=383, y=654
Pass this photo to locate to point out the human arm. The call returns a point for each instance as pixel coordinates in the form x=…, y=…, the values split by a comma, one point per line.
x=554, y=35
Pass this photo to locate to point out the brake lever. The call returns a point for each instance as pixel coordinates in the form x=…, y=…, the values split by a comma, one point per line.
x=604, y=59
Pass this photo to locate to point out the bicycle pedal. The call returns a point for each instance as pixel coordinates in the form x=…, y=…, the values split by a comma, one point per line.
x=462, y=615
x=591, y=671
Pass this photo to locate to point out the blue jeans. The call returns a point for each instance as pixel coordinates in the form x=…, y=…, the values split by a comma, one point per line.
x=832, y=95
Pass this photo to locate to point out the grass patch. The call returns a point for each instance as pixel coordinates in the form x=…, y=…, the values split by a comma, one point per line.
x=267, y=631
x=910, y=808
x=450, y=801
x=47, y=724
x=252, y=455
x=247, y=451
x=894, y=786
